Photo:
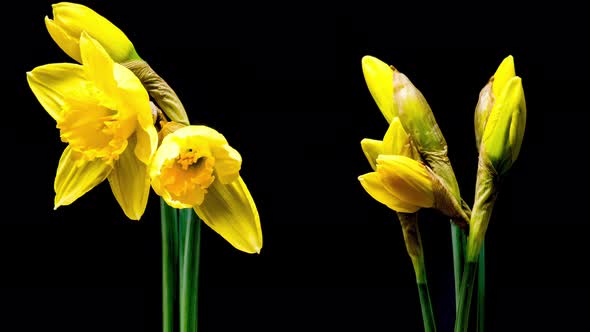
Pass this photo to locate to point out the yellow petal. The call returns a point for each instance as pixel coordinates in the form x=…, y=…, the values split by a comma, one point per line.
x=407, y=179
x=53, y=83
x=98, y=66
x=499, y=136
x=133, y=100
x=518, y=124
x=147, y=142
x=372, y=148
x=379, y=78
x=503, y=74
x=230, y=211
x=68, y=43
x=130, y=182
x=76, y=176
x=374, y=187
x=228, y=163
x=397, y=142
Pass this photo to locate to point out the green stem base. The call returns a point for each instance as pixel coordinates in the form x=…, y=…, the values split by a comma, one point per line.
x=466, y=292
x=426, y=305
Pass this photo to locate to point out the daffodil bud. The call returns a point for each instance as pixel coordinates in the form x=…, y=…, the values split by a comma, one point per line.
x=489, y=94
x=70, y=19
x=504, y=129
x=416, y=116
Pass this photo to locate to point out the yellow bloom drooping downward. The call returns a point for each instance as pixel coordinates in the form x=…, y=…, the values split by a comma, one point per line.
x=70, y=19
x=398, y=180
x=103, y=113
x=195, y=167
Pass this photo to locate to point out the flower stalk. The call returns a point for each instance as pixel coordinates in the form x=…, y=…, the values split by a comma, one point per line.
x=413, y=241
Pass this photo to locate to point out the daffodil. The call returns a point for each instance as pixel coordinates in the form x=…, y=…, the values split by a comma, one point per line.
x=400, y=180
x=195, y=167
x=103, y=114
x=385, y=184
x=70, y=19
x=396, y=96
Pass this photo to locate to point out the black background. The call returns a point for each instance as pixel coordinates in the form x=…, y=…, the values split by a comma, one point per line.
x=284, y=84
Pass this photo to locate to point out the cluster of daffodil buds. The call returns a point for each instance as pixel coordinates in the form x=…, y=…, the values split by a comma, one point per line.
x=412, y=170
x=103, y=111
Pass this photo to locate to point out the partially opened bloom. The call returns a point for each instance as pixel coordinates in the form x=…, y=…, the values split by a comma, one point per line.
x=103, y=113
x=70, y=19
x=195, y=167
x=401, y=183
x=397, y=97
x=398, y=181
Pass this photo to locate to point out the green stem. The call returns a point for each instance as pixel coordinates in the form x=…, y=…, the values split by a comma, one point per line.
x=413, y=240
x=481, y=289
x=466, y=291
x=190, y=271
x=458, y=242
x=169, y=220
x=426, y=305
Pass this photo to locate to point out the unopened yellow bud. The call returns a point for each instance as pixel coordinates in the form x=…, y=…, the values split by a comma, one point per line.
x=70, y=19
x=504, y=130
x=489, y=94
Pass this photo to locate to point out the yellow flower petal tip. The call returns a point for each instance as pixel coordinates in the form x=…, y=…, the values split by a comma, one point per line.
x=70, y=19
x=504, y=73
x=196, y=167
x=102, y=112
x=379, y=78
x=372, y=148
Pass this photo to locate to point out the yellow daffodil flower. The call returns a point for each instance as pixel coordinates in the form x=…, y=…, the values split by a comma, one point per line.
x=504, y=126
x=70, y=19
x=390, y=161
x=195, y=167
x=103, y=113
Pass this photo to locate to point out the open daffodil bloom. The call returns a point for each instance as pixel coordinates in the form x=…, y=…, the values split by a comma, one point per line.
x=103, y=113
x=195, y=167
